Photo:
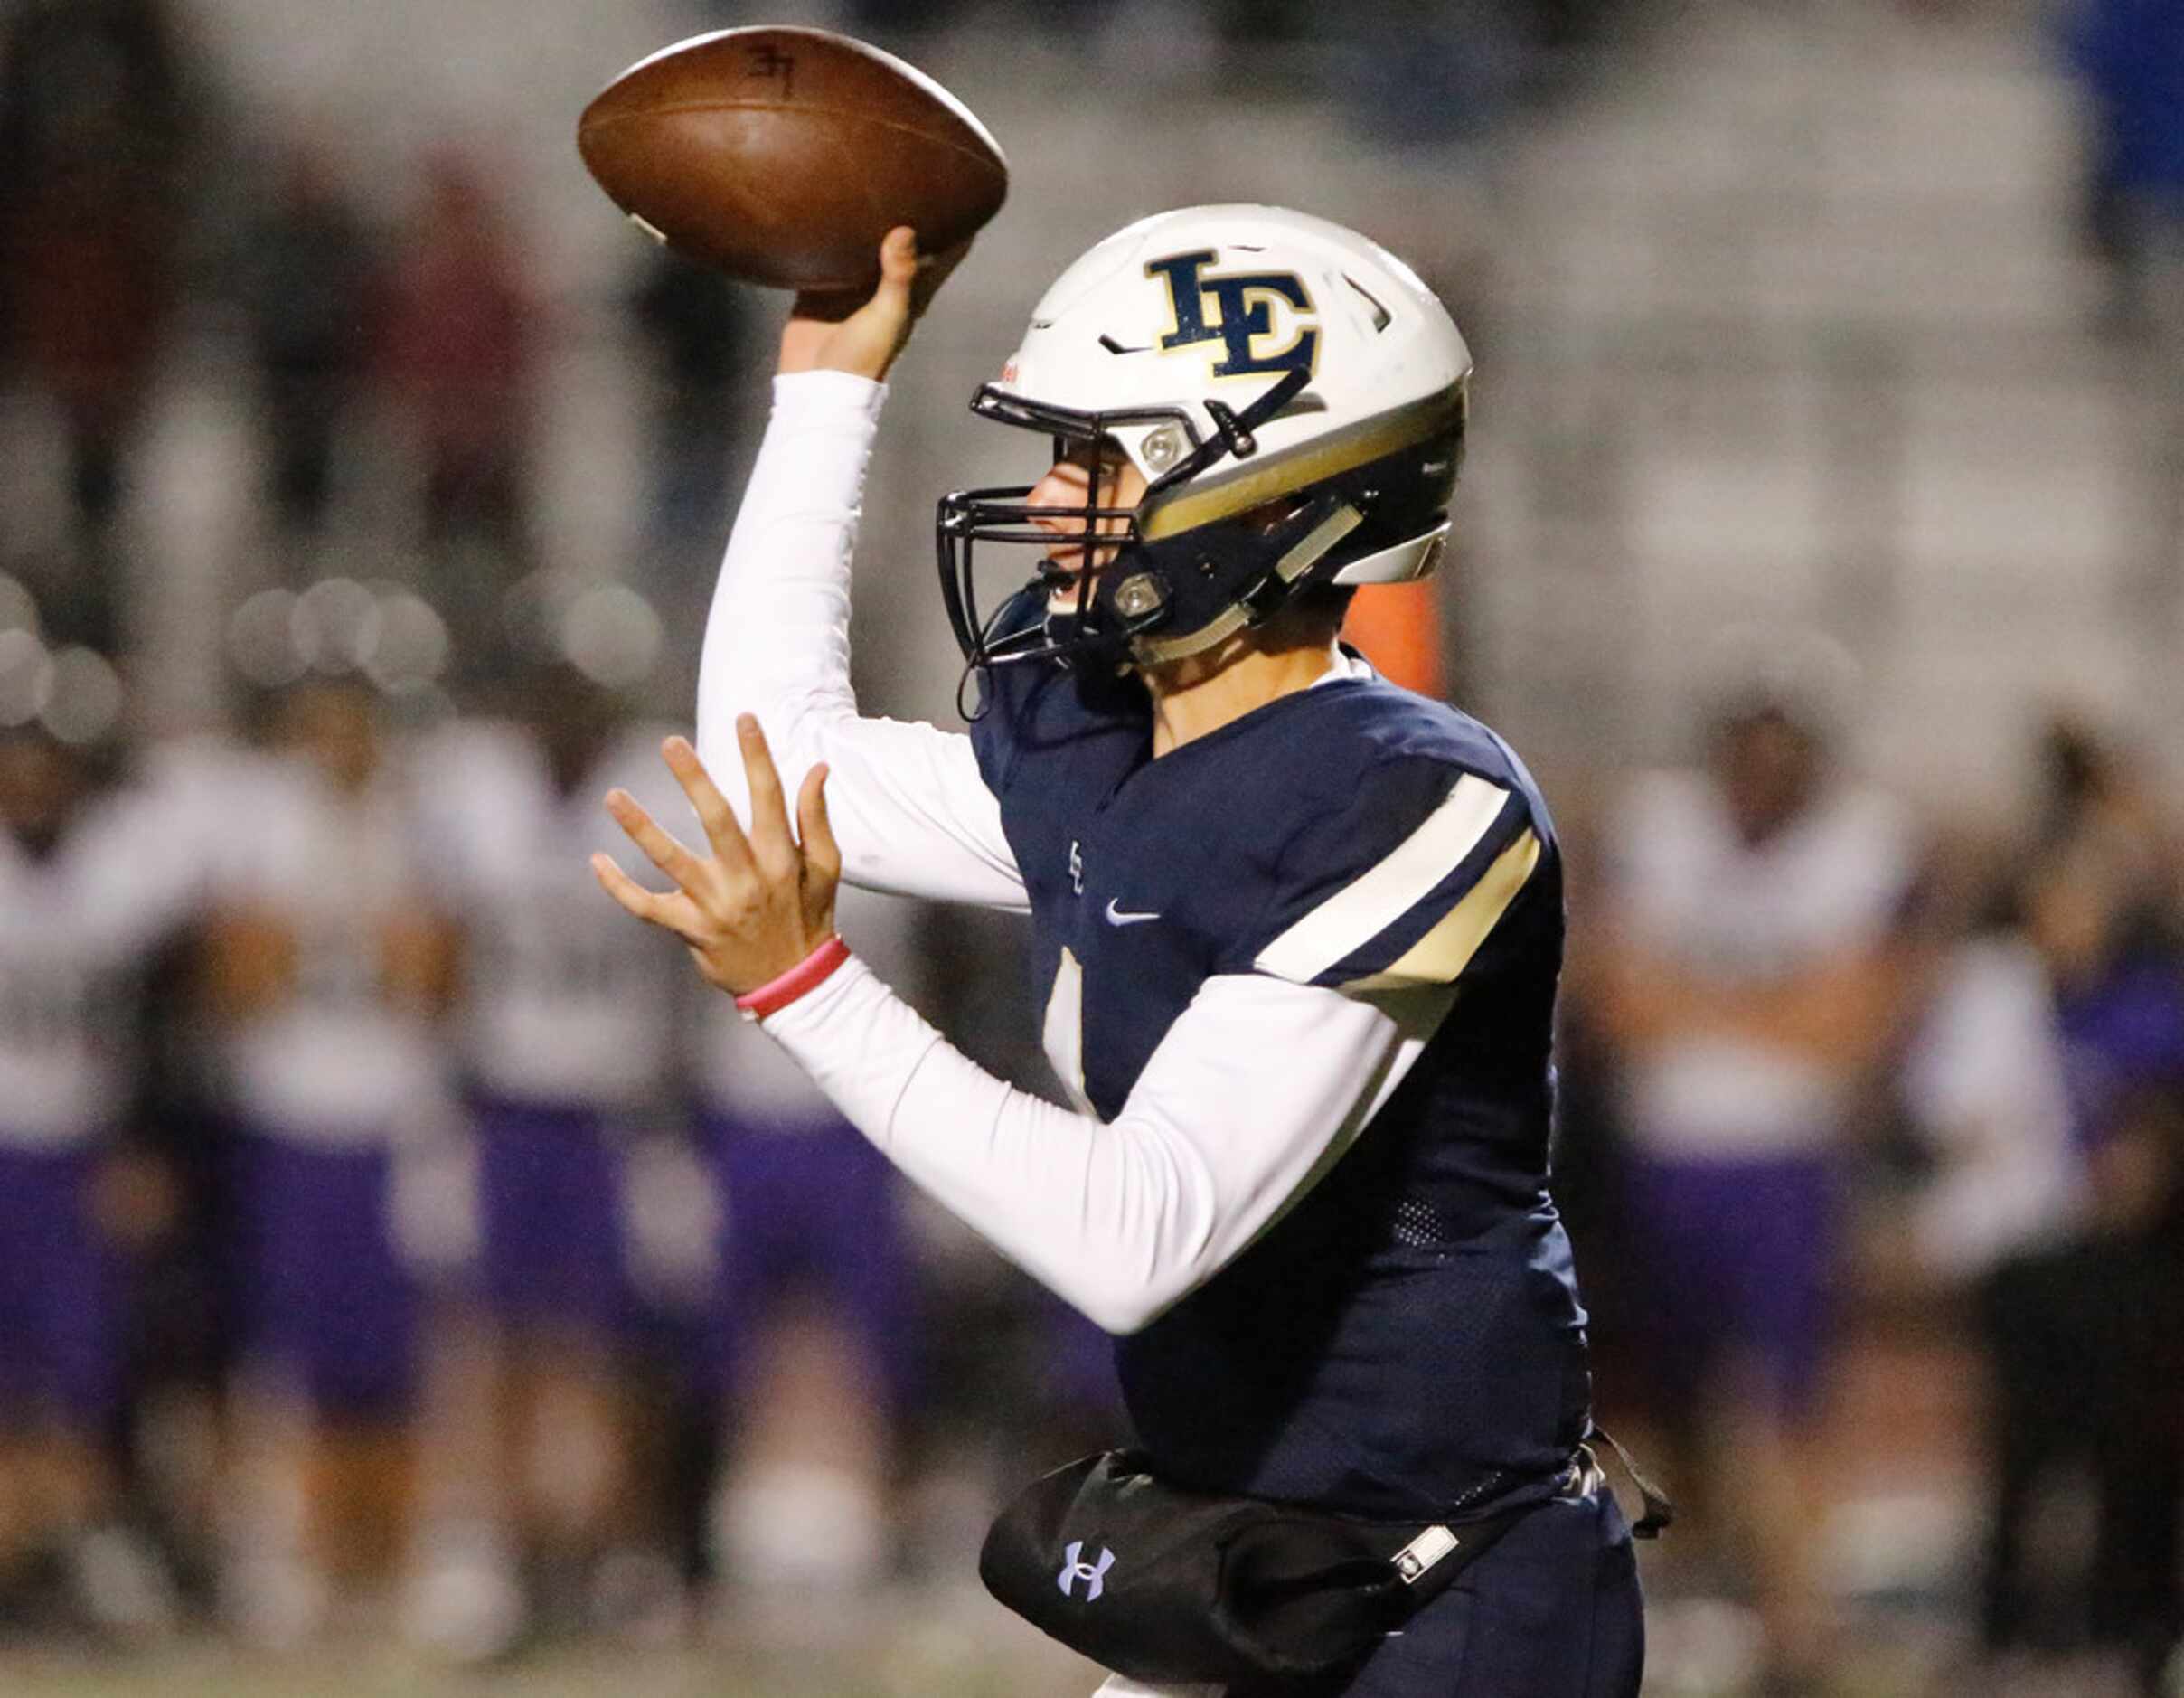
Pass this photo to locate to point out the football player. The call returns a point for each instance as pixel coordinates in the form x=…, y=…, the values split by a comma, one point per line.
x=1298, y=930
x=814, y=1335
x=78, y=919
x=328, y=968
x=1752, y=988
x=564, y=1021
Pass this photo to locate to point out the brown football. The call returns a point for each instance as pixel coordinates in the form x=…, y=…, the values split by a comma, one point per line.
x=782, y=155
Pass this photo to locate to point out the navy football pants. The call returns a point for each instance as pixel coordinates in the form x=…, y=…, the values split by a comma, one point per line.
x=1551, y=1611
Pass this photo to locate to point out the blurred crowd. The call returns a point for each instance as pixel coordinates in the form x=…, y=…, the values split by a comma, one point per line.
x=1837, y=1067
x=394, y=343
x=381, y=1214
x=386, y=1215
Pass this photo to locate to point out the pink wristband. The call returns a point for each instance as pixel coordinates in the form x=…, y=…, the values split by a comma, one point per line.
x=808, y=973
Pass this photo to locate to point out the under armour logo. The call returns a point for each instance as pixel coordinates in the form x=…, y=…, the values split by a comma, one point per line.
x=1077, y=868
x=1093, y=1574
x=1246, y=301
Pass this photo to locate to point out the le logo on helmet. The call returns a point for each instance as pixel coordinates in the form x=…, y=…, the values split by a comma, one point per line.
x=1244, y=302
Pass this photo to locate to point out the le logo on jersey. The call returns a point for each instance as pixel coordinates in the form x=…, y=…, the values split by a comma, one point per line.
x=1243, y=303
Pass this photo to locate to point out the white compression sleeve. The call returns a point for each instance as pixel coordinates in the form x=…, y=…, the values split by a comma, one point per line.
x=1120, y=1218
x=907, y=802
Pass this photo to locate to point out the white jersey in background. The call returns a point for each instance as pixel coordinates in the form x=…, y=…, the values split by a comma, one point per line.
x=197, y=796
x=1985, y=1078
x=1733, y=915
x=564, y=1002
x=75, y=929
x=336, y=1063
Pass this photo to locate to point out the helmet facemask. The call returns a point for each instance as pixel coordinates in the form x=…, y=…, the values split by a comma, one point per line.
x=1152, y=599
x=1126, y=588
x=1003, y=516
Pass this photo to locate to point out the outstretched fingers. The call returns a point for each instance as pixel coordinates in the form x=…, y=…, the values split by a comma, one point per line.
x=747, y=877
x=671, y=912
x=719, y=820
x=769, y=838
x=659, y=845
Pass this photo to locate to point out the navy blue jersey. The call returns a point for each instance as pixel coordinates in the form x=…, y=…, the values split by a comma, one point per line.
x=1407, y=1339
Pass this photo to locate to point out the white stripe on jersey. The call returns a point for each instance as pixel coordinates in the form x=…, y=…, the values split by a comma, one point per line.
x=1371, y=903
x=1440, y=956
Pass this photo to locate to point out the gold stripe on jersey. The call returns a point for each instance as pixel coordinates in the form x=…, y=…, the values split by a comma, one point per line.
x=1440, y=956
x=1374, y=901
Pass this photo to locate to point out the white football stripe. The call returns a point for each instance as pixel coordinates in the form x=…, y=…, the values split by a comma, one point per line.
x=1376, y=899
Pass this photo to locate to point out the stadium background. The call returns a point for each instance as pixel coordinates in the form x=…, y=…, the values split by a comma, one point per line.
x=1801, y=330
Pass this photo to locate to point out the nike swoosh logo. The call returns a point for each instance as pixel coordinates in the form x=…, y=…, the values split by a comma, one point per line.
x=1117, y=917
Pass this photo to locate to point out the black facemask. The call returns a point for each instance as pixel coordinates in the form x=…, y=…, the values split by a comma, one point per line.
x=1136, y=587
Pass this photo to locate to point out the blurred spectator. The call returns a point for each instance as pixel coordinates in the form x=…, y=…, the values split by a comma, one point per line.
x=2050, y=1073
x=96, y=118
x=2131, y=56
x=1750, y=992
x=567, y=1037
x=327, y=970
x=2120, y=1333
x=816, y=1340
x=2095, y=795
x=697, y=325
x=183, y=792
x=78, y=1192
x=460, y=349
x=305, y=285
x=1986, y=1080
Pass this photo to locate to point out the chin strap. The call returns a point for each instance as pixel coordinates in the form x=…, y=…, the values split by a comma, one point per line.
x=1262, y=598
x=1235, y=438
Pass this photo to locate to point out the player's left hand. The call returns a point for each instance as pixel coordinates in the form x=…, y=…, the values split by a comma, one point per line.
x=762, y=900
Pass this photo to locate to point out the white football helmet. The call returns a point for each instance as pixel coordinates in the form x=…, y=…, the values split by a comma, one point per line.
x=1294, y=397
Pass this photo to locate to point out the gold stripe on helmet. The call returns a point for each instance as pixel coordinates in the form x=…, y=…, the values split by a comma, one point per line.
x=1262, y=479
